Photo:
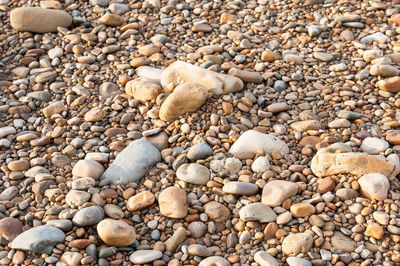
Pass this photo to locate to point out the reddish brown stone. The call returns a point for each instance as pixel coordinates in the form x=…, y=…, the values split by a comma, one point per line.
x=326, y=184
x=111, y=132
x=10, y=228
x=393, y=137
x=80, y=243
x=310, y=140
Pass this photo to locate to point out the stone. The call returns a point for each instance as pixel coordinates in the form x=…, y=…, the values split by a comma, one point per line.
x=214, y=261
x=71, y=258
x=197, y=229
x=113, y=211
x=140, y=201
x=276, y=191
x=132, y=163
x=199, y=151
x=108, y=89
x=145, y=256
x=296, y=243
x=374, y=230
x=193, y=173
x=373, y=145
x=199, y=250
x=95, y=115
x=83, y=183
x=374, y=186
x=8, y=193
x=293, y=59
x=116, y=233
x=45, y=76
x=302, y=209
x=339, y=123
x=254, y=141
x=260, y=165
x=269, y=56
x=40, y=20
x=173, y=202
x=143, y=89
x=216, y=211
x=372, y=54
x=178, y=237
x=5, y=131
x=342, y=242
x=379, y=216
x=40, y=239
x=296, y=261
x=148, y=50
x=18, y=166
x=53, y=108
x=264, y=259
x=383, y=71
x=10, y=228
x=391, y=84
x=186, y=98
x=327, y=163
x=181, y=72
x=119, y=9
x=346, y=193
x=88, y=168
x=393, y=137
x=76, y=198
x=278, y=107
x=151, y=73
x=325, y=57
x=200, y=27
x=246, y=76
x=303, y=126
x=257, y=212
x=240, y=188
x=112, y=20
x=65, y=225
x=88, y=216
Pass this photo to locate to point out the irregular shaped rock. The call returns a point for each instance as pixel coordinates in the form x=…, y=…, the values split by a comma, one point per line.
x=186, y=98
x=374, y=186
x=151, y=73
x=180, y=72
x=112, y=20
x=116, y=233
x=132, y=163
x=342, y=242
x=257, y=212
x=199, y=250
x=303, y=126
x=246, y=76
x=296, y=243
x=383, y=71
x=214, y=261
x=143, y=89
x=276, y=191
x=10, y=228
x=193, y=173
x=140, y=201
x=253, y=141
x=391, y=84
x=173, y=202
x=40, y=239
x=326, y=163
x=178, y=237
x=40, y=20
x=217, y=211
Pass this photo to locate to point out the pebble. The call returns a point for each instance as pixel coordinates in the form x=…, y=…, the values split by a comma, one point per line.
x=199, y=151
x=140, y=201
x=116, y=233
x=132, y=163
x=296, y=261
x=145, y=256
x=373, y=145
x=214, y=261
x=257, y=212
x=265, y=259
x=374, y=186
x=260, y=165
x=88, y=216
x=193, y=173
x=276, y=191
x=199, y=250
x=173, y=202
x=374, y=230
x=296, y=243
x=10, y=228
x=178, y=237
x=216, y=211
x=88, y=168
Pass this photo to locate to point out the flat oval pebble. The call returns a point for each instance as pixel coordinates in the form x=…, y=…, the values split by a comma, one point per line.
x=240, y=188
x=116, y=233
x=214, y=261
x=145, y=256
x=193, y=173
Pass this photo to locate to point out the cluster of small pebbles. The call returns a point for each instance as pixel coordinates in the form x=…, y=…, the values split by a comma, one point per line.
x=211, y=133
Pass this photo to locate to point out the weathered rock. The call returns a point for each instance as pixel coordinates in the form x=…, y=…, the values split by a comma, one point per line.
x=199, y=250
x=326, y=163
x=276, y=191
x=10, y=228
x=393, y=137
x=116, y=233
x=374, y=186
x=178, y=237
x=253, y=141
x=186, y=98
x=374, y=230
x=88, y=216
x=193, y=173
x=374, y=145
x=173, y=202
x=257, y=212
x=41, y=20
x=391, y=84
x=296, y=261
x=95, y=115
x=112, y=20
x=143, y=89
x=132, y=163
x=343, y=242
x=296, y=243
x=40, y=239
x=303, y=126
x=240, y=188
x=302, y=209
x=260, y=165
x=246, y=76
x=217, y=211
x=214, y=261
x=199, y=151
x=180, y=72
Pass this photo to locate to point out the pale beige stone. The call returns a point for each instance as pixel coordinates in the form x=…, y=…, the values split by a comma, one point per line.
x=116, y=233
